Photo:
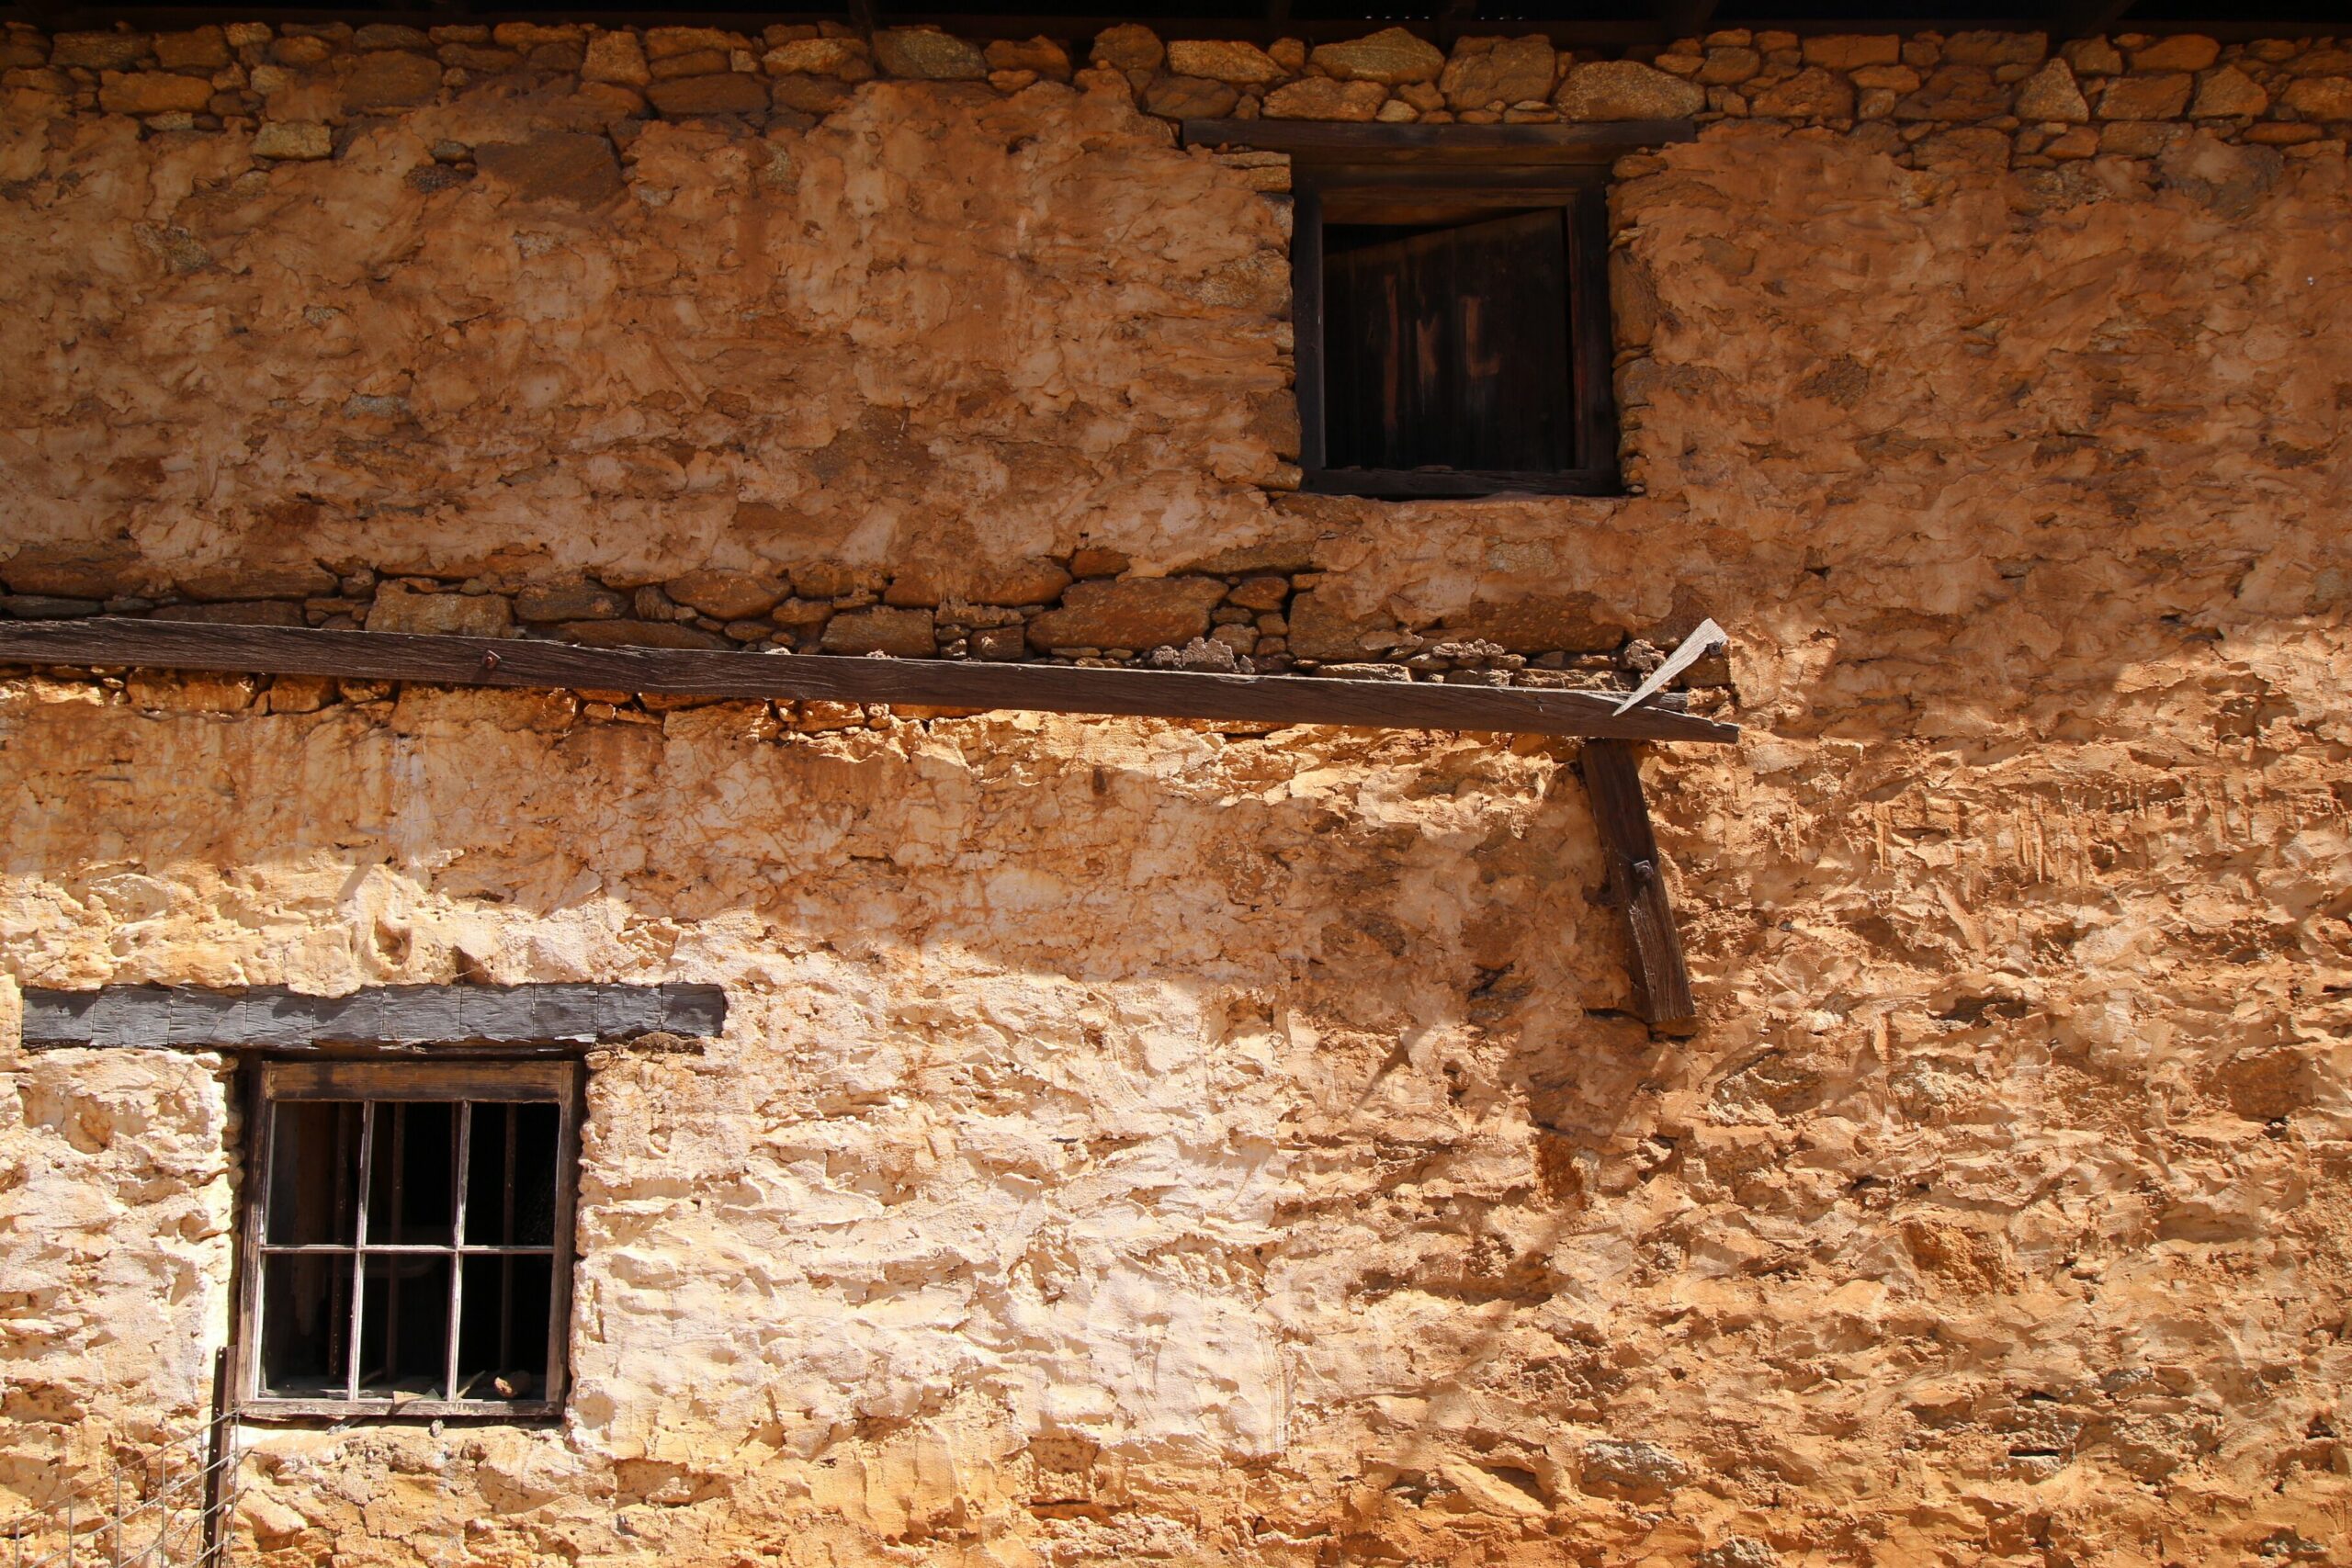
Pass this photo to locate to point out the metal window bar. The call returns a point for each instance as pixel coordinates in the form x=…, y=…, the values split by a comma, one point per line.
x=168, y=1506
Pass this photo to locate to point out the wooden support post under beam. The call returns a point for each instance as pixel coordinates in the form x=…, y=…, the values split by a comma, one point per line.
x=931, y=682
x=1612, y=778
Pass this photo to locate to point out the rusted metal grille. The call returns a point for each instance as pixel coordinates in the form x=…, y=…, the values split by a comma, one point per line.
x=167, y=1502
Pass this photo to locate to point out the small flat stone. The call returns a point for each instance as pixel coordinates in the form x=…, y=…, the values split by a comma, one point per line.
x=1129, y=613
x=1042, y=55
x=1190, y=97
x=1244, y=64
x=660, y=43
x=1390, y=56
x=1260, y=592
x=1956, y=93
x=2146, y=97
x=1128, y=47
x=575, y=602
x=1996, y=48
x=2228, y=92
x=727, y=595
x=1626, y=89
x=98, y=51
x=2052, y=94
x=2318, y=98
x=2176, y=51
x=1812, y=93
x=810, y=95
x=199, y=49
x=398, y=609
x=47, y=606
x=153, y=92
x=927, y=55
x=1320, y=97
x=844, y=57
x=902, y=633
x=292, y=139
x=261, y=579
x=616, y=57
x=1486, y=73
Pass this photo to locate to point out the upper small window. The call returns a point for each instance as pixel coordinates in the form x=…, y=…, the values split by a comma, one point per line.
x=408, y=1238
x=1453, y=331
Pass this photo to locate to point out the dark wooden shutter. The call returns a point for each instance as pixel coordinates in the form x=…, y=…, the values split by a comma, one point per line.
x=1450, y=347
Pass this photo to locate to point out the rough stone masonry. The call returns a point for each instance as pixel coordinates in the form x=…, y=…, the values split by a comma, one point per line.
x=1153, y=1141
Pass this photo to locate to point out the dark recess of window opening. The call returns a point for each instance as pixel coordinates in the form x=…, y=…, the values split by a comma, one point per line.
x=1449, y=345
x=411, y=1249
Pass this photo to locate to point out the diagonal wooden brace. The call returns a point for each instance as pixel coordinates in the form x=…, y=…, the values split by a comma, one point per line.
x=1613, y=779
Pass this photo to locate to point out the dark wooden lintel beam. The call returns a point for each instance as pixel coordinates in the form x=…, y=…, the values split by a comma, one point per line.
x=1612, y=778
x=930, y=682
x=1684, y=19
x=2085, y=18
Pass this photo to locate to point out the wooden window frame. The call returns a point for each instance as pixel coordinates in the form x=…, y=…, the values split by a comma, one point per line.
x=1326, y=193
x=475, y=1080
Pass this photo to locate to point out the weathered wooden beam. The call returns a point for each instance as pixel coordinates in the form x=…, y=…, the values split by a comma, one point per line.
x=1331, y=141
x=931, y=682
x=2085, y=18
x=273, y=1017
x=1684, y=19
x=1637, y=884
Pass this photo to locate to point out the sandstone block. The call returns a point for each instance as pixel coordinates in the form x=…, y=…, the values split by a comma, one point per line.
x=292, y=139
x=2091, y=56
x=2051, y=93
x=1812, y=93
x=701, y=62
x=1569, y=623
x=1042, y=55
x=1136, y=613
x=2318, y=98
x=244, y=613
x=560, y=165
x=927, y=55
x=172, y=692
x=1489, y=71
x=902, y=633
x=1244, y=63
x=1128, y=47
x=1388, y=57
x=727, y=595
x=998, y=645
x=1036, y=581
x=201, y=49
x=1728, y=67
x=730, y=92
x=1186, y=97
x=398, y=609
x=2146, y=97
x=1843, y=51
x=300, y=693
x=98, y=51
x=1996, y=48
x=72, y=571
x=390, y=35
x=844, y=57
x=261, y=579
x=616, y=57
x=1320, y=97
x=153, y=92
x=810, y=95
x=638, y=634
x=1260, y=592
x=571, y=602
x=660, y=43
x=1956, y=93
x=2228, y=92
x=301, y=52
x=390, y=79
x=1320, y=630
x=2179, y=51
x=1626, y=89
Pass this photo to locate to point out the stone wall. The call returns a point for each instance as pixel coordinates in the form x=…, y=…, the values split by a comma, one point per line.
x=1152, y=1140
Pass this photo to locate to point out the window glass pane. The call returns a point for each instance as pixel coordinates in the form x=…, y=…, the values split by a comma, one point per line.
x=404, y=1326
x=503, y=1327
x=314, y=1172
x=305, y=1325
x=511, y=1177
x=411, y=1186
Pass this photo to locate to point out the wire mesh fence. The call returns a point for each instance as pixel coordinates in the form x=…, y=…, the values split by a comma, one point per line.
x=166, y=1504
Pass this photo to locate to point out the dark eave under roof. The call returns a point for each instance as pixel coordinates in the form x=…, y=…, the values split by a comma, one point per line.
x=1600, y=23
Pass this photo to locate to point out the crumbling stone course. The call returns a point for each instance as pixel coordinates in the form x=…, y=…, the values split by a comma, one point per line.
x=289, y=88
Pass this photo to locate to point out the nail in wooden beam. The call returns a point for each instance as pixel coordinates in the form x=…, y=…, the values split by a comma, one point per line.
x=1612, y=778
